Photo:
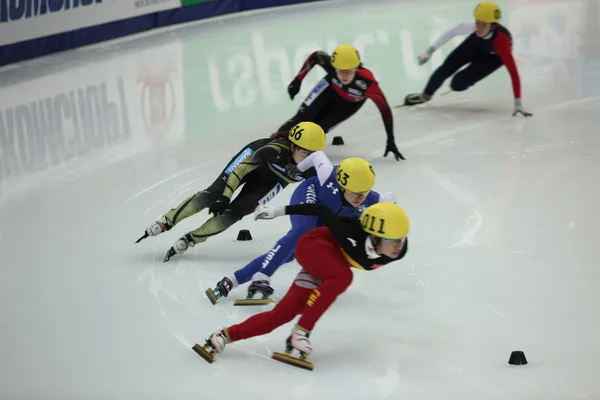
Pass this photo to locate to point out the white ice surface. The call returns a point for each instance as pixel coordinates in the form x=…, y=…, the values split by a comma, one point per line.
x=504, y=215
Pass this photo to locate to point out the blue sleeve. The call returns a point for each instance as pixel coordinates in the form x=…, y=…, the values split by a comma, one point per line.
x=306, y=192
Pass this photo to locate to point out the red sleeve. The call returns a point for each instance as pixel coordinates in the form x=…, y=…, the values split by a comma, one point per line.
x=375, y=93
x=502, y=47
x=317, y=58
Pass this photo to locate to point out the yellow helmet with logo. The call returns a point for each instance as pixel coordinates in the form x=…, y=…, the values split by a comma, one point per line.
x=345, y=57
x=355, y=175
x=487, y=11
x=385, y=220
x=308, y=135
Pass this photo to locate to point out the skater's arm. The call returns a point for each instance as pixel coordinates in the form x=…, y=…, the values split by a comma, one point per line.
x=262, y=156
x=324, y=213
x=317, y=58
x=346, y=239
x=320, y=162
x=464, y=28
x=502, y=47
x=375, y=93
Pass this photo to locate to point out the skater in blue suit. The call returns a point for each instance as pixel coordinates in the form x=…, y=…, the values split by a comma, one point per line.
x=346, y=189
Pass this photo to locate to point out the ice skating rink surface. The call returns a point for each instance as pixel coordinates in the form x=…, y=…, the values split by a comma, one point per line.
x=97, y=143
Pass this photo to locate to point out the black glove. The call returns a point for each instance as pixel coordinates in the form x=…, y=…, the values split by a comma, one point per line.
x=293, y=172
x=294, y=88
x=391, y=146
x=219, y=206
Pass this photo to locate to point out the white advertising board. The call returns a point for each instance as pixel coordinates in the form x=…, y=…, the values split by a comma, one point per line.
x=22, y=20
x=67, y=124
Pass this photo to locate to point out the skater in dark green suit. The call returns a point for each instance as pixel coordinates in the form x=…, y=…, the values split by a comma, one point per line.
x=264, y=167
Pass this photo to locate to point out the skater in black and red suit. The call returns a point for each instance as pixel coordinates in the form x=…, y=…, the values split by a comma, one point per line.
x=487, y=48
x=340, y=94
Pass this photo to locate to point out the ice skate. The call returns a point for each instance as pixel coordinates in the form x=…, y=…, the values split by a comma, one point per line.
x=155, y=229
x=180, y=246
x=415, y=99
x=297, y=341
x=222, y=289
x=260, y=288
x=215, y=344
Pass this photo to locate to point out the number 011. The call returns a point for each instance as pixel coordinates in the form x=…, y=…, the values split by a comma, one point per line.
x=370, y=224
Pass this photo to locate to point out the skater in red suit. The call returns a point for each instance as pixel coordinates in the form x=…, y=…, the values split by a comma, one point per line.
x=340, y=94
x=326, y=255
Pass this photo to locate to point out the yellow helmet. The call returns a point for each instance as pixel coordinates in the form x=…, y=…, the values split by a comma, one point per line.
x=355, y=175
x=345, y=57
x=385, y=220
x=308, y=135
x=487, y=11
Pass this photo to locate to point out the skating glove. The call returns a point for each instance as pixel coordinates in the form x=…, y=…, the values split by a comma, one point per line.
x=519, y=109
x=294, y=88
x=268, y=212
x=425, y=56
x=219, y=206
x=391, y=146
x=388, y=197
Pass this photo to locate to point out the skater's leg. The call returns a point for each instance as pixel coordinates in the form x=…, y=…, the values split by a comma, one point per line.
x=476, y=71
x=289, y=306
x=323, y=260
x=199, y=201
x=253, y=193
x=245, y=203
x=192, y=205
x=260, y=282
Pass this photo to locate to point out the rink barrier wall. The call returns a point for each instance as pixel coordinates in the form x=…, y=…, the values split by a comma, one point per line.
x=94, y=21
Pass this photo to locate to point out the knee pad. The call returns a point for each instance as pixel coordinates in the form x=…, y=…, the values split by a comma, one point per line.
x=228, y=218
x=204, y=199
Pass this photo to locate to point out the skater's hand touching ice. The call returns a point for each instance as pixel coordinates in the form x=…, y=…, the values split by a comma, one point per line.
x=391, y=147
x=520, y=110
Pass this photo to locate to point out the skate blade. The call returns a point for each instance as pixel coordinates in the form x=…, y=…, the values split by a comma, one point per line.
x=290, y=360
x=143, y=237
x=253, y=302
x=410, y=105
x=201, y=351
x=169, y=254
x=211, y=296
